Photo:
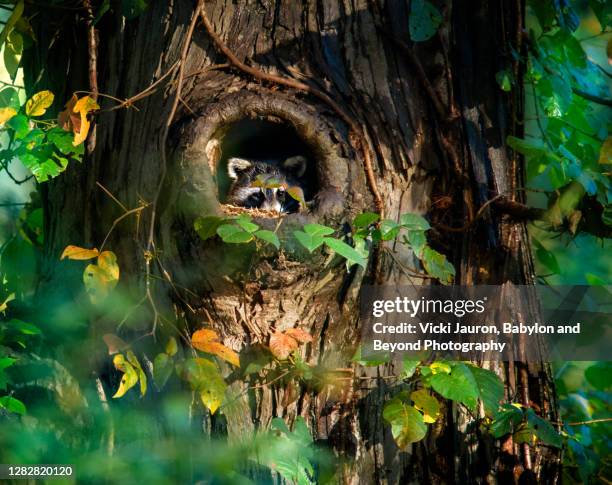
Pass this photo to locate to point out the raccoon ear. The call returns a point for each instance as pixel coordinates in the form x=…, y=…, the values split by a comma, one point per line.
x=237, y=165
x=296, y=165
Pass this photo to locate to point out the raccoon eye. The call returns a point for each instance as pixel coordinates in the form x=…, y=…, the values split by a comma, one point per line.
x=255, y=200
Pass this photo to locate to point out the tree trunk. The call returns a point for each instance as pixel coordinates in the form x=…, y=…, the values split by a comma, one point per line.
x=434, y=121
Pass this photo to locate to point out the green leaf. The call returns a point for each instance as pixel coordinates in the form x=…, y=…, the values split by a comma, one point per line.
x=346, y=251
x=437, y=265
x=102, y=9
x=20, y=125
x=9, y=98
x=460, y=385
x=548, y=259
x=23, y=327
x=162, y=369
x=414, y=222
x=543, y=429
x=13, y=49
x=42, y=166
x=389, y=230
x=269, y=237
x=594, y=280
x=13, y=405
x=417, y=241
x=205, y=378
x=244, y=221
x=409, y=368
x=427, y=404
x=206, y=226
x=233, y=234
x=424, y=20
x=407, y=425
x=63, y=141
x=504, y=79
x=309, y=241
x=317, y=230
x=600, y=376
x=6, y=362
x=365, y=219
x=506, y=421
x=490, y=387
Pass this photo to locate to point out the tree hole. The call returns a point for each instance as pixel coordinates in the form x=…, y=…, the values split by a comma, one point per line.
x=253, y=155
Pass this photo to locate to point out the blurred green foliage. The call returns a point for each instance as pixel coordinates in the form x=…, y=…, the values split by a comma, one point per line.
x=52, y=410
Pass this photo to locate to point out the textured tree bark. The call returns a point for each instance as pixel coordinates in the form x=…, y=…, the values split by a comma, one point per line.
x=435, y=122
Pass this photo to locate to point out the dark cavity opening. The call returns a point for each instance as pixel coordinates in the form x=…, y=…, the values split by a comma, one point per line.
x=259, y=140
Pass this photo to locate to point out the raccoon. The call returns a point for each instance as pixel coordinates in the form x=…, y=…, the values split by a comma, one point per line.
x=264, y=185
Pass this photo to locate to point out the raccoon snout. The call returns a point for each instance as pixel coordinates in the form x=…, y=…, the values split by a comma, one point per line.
x=272, y=205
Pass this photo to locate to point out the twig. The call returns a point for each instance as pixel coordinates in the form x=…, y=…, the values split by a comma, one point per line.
x=412, y=272
x=108, y=192
x=92, y=50
x=146, y=92
x=505, y=205
x=357, y=140
x=590, y=421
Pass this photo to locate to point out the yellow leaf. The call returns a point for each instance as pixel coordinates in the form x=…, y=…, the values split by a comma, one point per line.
x=427, y=404
x=142, y=377
x=4, y=304
x=204, y=377
x=211, y=385
x=171, y=347
x=38, y=104
x=207, y=341
x=6, y=114
x=101, y=278
x=129, y=378
x=440, y=367
x=211, y=399
x=83, y=106
x=300, y=335
x=220, y=350
x=204, y=335
x=75, y=252
x=107, y=261
x=282, y=345
x=605, y=155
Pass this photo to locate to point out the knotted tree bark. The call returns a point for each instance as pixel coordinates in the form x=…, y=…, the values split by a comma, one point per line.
x=411, y=127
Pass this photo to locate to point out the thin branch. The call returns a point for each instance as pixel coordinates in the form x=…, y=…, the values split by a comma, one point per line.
x=590, y=421
x=92, y=50
x=108, y=192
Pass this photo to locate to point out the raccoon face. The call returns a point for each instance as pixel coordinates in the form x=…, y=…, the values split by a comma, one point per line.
x=264, y=185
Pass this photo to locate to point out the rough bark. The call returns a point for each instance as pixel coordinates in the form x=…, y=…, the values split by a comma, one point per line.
x=435, y=122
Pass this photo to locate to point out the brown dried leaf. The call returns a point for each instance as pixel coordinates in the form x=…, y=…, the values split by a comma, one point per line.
x=114, y=343
x=282, y=345
x=300, y=335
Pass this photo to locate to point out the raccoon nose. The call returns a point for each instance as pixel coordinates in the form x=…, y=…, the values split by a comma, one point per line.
x=272, y=205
